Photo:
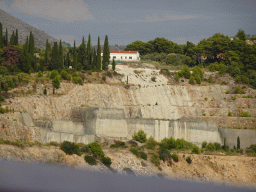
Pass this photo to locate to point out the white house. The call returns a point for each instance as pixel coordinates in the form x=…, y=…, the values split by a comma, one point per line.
x=123, y=55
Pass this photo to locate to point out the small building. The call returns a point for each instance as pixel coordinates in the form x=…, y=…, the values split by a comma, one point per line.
x=123, y=55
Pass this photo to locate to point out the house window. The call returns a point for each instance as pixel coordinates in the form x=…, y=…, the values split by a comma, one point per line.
x=121, y=57
x=130, y=57
x=125, y=57
x=114, y=57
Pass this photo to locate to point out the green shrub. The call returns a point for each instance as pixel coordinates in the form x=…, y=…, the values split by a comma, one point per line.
x=197, y=78
x=155, y=159
x=239, y=150
x=135, y=152
x=70, y=148
x=217, y=146
x=204, y=144
x=213, y=67
x=189, y=160
x=249, y=151
x=185, y=72
x=84, y=148
x=252, y=147
x=177, y=76
x=192, y=80
x=3, y=71
x=210, y=147
x=54, y=74
x=141, y=136
x=175, y=157
x=54, y=143
x=205, y=98
x=161, y=157
x=229, y=114
x=143, y=155
x=197, y=71
x=2, y=110
x=227, y=92
x=222, y=69
x=245, y=79
x=64, y=75
x=40, y=74
x=204, y=114
x=77, y=80
x=45, y=91
x=153, y=79
x=239, y=91
x=196, y=150
x=56, y=82
x=245, y=114
x=90, y=160
x=210, y=80
x=223, y=83
x=103, y=77
x=96, y=149
x=106, y=161
x=151, y=143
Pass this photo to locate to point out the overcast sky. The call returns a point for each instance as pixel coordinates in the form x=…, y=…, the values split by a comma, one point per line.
x=125, y=21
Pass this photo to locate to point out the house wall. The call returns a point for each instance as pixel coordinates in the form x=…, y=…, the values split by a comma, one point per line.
x=135, y=56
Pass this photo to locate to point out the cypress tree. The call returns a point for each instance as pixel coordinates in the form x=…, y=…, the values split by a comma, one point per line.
x=31, y=44
x=89, y=53
x=94, y=60
x=13, y=39
x=54, y=63
x=82, y=55
x=238, y=142
x=113, y=65
x=61, y=64
x=25, y=58
x=46, y=55
x=68, y=61
x=106, y=55
x=1, y=34
x=74, y=65
x=98, y=65
x=17, y=38
x=6, y=37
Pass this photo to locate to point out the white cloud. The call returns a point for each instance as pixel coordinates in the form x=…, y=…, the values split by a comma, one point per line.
x=55, y=10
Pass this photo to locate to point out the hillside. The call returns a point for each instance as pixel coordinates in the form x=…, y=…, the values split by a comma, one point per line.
x=12, y=23
x=143, y=99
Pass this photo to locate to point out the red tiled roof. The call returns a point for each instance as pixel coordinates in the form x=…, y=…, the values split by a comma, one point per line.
x=122, y=51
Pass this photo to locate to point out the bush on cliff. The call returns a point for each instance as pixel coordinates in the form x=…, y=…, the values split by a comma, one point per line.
x=196, y=150
x=189, y=160
x=90, y=160
x=96, y=149
x=106, y=161
x=204, y=144
x=155, y=159
x=64, y=75
x=56, y=82
x=210, y=147
x=175, y=157
x=151, y=143
x=141, y=136
x=70, y=148
x=54, y=74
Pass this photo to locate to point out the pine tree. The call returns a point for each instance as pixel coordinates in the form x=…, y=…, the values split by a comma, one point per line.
x=17, y=38
x=54, y=63
x=113, y=65
x=61, y=62
x=1, y=34
x=98, y=65
x=89, y=53
x=106, y=55
x=6, y=37
x=238, y=142
x=46, y=62
x=74, y=65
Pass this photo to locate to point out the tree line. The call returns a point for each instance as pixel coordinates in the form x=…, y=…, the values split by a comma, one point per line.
x=16, y=58
x=235, y=57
